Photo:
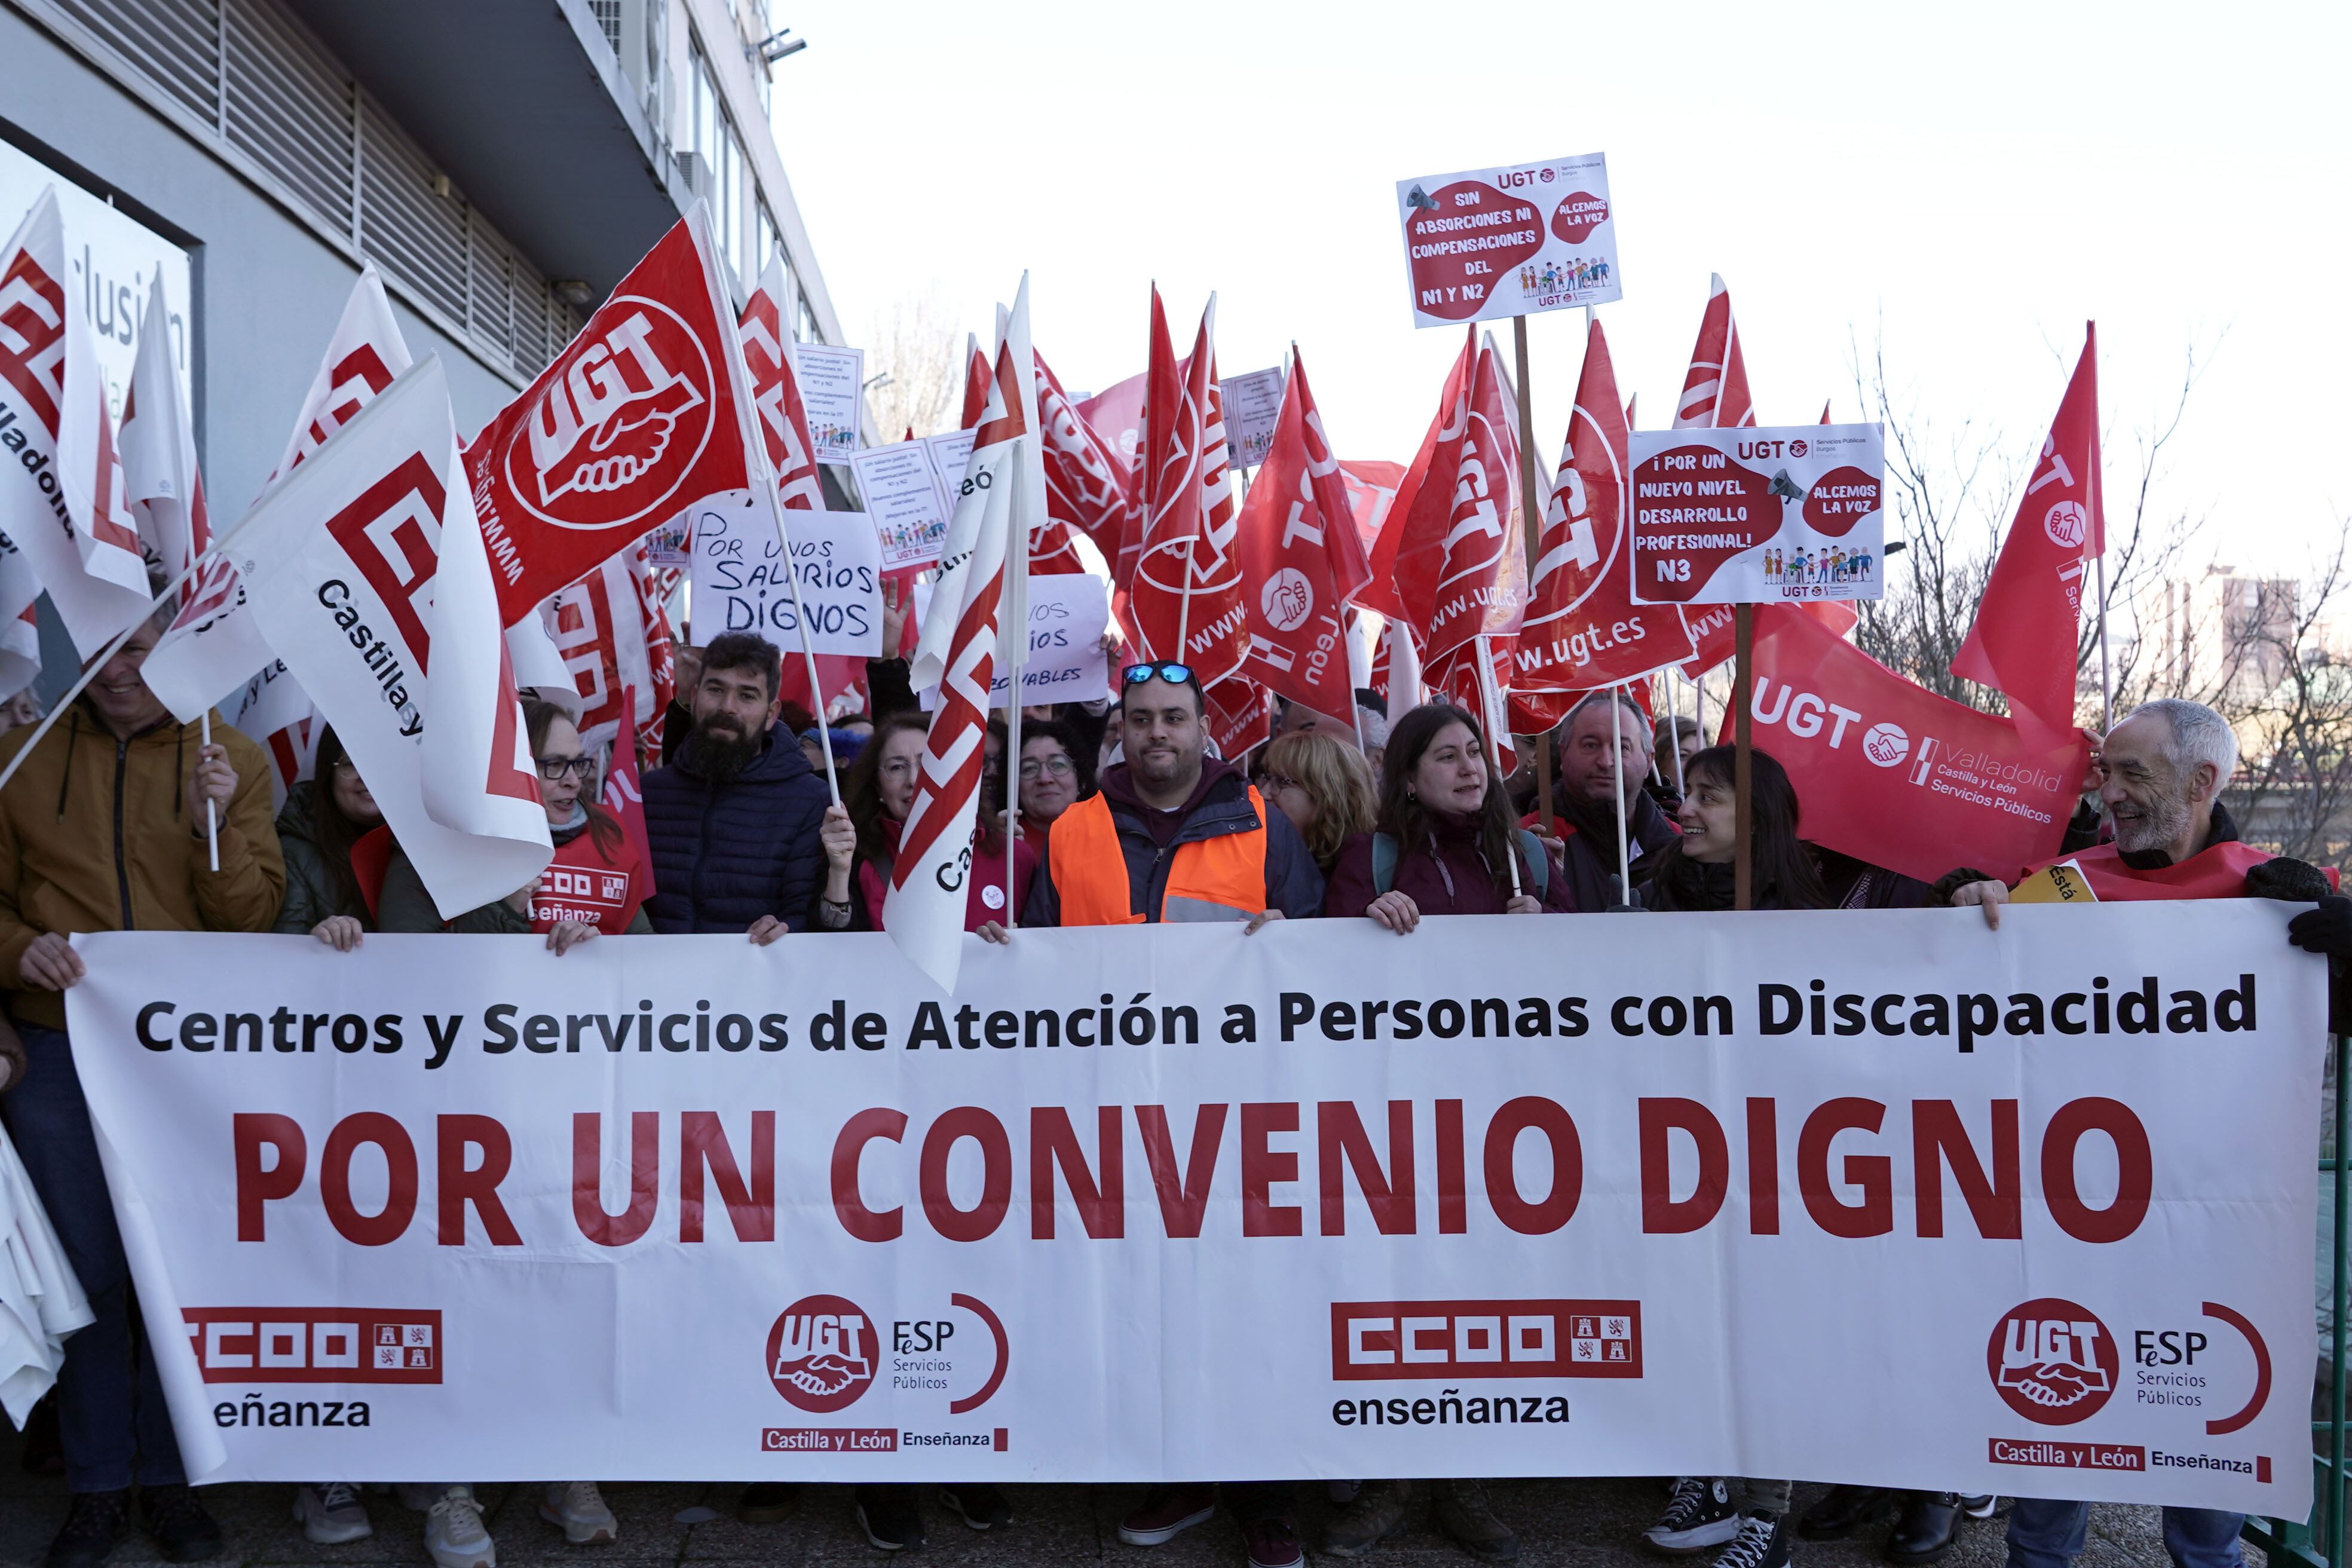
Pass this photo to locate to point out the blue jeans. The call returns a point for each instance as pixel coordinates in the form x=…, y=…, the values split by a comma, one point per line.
x=111, y=1418
x=2047, y=1534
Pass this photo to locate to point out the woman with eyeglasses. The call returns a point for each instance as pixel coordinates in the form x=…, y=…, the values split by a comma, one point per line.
x=1325, y=786
x=1056, y=773
x=323, y=819
x=861, y=836
x=588, y=838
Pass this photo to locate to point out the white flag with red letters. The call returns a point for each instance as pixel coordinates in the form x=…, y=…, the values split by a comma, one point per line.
x=62, y=500
x=367, y=567
x=957, y=652
x=215, y=645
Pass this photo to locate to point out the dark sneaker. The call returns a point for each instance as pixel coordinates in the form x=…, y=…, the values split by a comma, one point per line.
x=1167, y=1513
x=1699, y=1515
x=1761, y=1541
x=1273, y=1543
x=1460, y=1508
x=979, y=1505
x=183, y=1531
x=1978, y=1505
x=766, y=1502
x=1377, y=1514
x=1842, y=1511
x=891, y=1517
x=93, y=1524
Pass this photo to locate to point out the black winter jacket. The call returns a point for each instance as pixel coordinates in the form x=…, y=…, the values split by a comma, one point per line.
x=725, y=856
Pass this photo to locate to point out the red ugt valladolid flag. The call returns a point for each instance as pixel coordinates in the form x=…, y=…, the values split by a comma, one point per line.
x=1583, y=628
x=646, y=412
x=1185, y=592
x=2024, y=641
x=1896, y=775
x=1448, y=556
x=1302, y=558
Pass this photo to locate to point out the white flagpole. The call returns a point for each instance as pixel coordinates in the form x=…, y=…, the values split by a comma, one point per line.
x=808, y=649
x=1617, y=772
x=1014, y=608
x=1674, y=724
x=1492, y=701
x=2106, y=684
x=211, y=810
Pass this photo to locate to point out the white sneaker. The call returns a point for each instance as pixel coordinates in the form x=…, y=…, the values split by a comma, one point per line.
x=331, y=1513
x=578, y=1508
x=454, y=1536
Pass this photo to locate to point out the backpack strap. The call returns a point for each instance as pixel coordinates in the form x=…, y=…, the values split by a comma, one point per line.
x=1539, y=862
x=1384, y=860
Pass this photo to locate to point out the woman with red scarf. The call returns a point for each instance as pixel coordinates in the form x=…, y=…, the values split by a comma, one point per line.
x=861, y=838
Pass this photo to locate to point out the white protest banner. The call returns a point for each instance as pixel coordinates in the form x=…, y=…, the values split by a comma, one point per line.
x=833, y=390
x=1252, y=406
x=739, y=583
x=903, y=493
x=1487, y=244
x=1900, y=1200
x=1758, y=515
x=1067, y=613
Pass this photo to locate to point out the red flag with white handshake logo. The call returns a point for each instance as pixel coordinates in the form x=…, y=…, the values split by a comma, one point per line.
x=1085, y=481
x=1302, y=558
x=386, y=614
x=976, y=602
x=215, y=645
x=1582, y=628
x=1185, y=594
x=776, y=391
x=62, y=500
x=647, y=412
x=1715, y=391
x=2024, y=643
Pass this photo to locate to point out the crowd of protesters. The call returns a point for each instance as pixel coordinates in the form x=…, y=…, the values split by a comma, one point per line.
x=1113, y=813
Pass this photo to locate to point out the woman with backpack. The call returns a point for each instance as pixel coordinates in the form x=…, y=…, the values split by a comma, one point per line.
x=1446, y=843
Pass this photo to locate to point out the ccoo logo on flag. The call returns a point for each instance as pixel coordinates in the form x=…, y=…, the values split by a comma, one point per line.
x=620, y=426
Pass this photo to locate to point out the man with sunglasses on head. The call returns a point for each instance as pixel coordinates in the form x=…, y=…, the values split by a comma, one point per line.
x=1173, y=834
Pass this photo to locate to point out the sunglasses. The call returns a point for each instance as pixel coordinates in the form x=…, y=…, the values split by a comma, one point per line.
x=1174, y=674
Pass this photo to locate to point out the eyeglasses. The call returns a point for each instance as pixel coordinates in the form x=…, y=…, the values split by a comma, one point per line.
x=346, y=769
x=1275, y=784
x=1174, y=674
x=554, y=768
x=1060, y=766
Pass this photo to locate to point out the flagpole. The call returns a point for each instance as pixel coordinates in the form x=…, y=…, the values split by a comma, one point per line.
x=2106, y=686
x=1674, y=725
x=212, y=807
x=1743, y=691
x=1351, y=621
x=1489, y=699
x=808, y=649
x=1013, y=604
x=1617, y=772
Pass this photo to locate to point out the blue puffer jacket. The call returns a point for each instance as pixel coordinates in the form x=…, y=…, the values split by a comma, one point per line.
x=725, y=856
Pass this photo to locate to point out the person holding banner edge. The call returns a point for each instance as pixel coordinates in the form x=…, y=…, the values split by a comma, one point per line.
x=148, y=800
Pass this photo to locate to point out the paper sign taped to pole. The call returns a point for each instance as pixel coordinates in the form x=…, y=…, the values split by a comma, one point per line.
x=1066, y=662
x=833, y=388
x=740, y=583
x=1252, y=406
x=1758, y=515
x=1487, y=244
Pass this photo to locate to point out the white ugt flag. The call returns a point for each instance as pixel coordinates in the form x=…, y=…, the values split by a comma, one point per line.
x=925, y=908
x=61, y=499
x=366, y=566
x=159, y=447
x=215, y=645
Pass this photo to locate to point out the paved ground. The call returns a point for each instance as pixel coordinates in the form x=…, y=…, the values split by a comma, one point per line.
x=1576, y=1524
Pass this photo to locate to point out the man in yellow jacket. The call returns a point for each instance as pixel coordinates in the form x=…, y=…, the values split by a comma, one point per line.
x=103, y=829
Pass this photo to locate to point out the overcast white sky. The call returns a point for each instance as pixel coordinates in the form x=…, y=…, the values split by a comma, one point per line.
x=1980, y=179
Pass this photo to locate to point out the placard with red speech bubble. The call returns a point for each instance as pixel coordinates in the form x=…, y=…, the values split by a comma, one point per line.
x=1758, y=516
x=1488, y=244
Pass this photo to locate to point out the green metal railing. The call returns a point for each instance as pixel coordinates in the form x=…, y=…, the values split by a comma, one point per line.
x=2319, y=1543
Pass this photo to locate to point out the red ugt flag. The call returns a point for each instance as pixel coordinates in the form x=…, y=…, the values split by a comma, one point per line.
x=2023, y=642
x=646, y=412
x=1896, y=775
x=1582, y=628
x=1715, y=392
x=1302, y=558
x=1085, y=481
x=1185, y=594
